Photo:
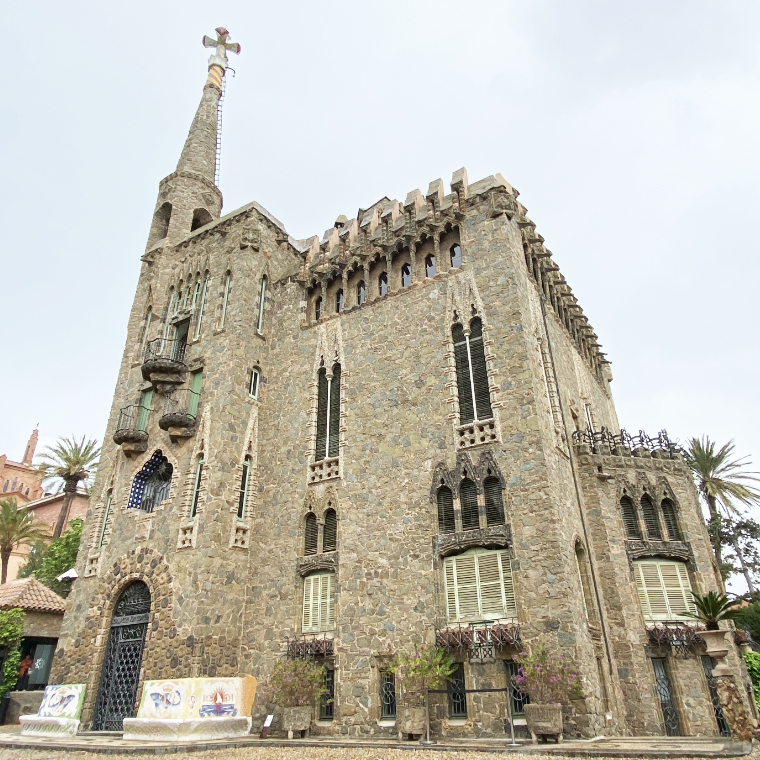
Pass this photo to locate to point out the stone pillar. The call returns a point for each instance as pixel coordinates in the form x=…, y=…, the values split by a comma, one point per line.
x=734, y=708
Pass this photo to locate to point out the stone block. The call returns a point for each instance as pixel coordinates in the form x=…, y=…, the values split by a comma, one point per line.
x=197, y=729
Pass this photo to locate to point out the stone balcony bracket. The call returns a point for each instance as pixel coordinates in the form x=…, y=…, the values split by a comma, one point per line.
x=312, y=563
x=493, y=537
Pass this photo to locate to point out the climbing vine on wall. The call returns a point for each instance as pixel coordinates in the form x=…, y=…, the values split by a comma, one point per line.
x=753, y=666
x=11, y=630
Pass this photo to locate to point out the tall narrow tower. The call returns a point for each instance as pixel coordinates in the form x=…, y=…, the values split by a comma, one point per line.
x=189, y=198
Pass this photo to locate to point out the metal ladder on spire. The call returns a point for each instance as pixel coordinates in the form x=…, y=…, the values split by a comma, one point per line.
x=219, y=132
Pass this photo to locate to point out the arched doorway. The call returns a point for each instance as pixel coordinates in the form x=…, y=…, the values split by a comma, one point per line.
x=121, y=665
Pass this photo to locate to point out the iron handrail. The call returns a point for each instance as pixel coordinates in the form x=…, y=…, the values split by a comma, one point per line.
x=162, y=348
x=604, y=441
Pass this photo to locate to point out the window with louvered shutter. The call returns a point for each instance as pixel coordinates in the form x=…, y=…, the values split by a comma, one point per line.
x=330, y=533
x=650, y=518
x=464, y=389
x=630, y=518
x=479, y=371
x=445, y=499
x=468, y=503
x=311, y=533
x=333, y=444
x=479, y=586
x=318, y=603
x=664, y=589
x=320, y=448
x=494, y=502
x=671, y=521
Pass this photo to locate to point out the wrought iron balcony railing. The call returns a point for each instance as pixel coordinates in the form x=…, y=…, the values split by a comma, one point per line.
x=681, y=636
x=624, y=444
x=180, y=409
x=478, y=640
x=309, y=647
x=131, y=427
x=167, y=350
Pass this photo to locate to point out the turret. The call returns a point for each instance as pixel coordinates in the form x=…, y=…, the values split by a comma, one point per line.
x=31, y=447
x=189, y=198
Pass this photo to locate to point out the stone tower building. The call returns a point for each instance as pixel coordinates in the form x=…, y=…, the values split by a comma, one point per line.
x=394, y=433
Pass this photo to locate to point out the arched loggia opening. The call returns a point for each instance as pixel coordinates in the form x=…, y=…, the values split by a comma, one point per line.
x=120, y=675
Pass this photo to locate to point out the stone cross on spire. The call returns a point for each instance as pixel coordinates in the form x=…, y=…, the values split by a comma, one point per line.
x=222, y=46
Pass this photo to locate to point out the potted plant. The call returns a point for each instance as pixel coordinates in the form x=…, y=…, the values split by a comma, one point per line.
x=296, y=686
x=713, y=607
x=428, y=667
x=549, y=680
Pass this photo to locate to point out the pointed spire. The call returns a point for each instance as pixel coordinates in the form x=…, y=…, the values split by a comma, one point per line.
x=31, y=447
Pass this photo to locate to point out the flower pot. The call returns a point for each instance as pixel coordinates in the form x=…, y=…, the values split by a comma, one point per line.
x=717, y=648
x=296, y=719
x=543, y=721
x=411, y=720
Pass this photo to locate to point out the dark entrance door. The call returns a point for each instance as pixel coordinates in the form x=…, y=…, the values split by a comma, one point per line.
x=121, y=666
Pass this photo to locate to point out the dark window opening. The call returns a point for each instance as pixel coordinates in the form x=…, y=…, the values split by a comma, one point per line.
x=327, y=701
x=456, y=693
x=151, y=485
x=671, y=521
x=445, y=499
x=494, y=502
x=406, y=276
x=430, y=265
x=197, y=487
x=456, y=255
x=468, y=501
x=318, y=308
x=339, y=301
x=311, y=532
x=630, y=519
x=361, y=293
x=650, y=518
x=382, y=284
x=201, y=218
x=244, y=488
x=36, y=660
x=387, y=695
x=330, y=533
x=517, y=697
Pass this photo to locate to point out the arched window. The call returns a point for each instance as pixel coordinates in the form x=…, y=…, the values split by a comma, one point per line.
x=339, y=301
x=201, y=308
x=151, y=485
x=328, y=414
x=201, y=218
x=650, y=518
x=584, y=571
x=406, y=276
x=630, y=518
x=160, y=226
x=311, y=532
x=318, y=308
x=494, y=501
x=225, y=298
x=243, y=500
x=262, y=296
x=27, y=492
x=330, y=532
x=671, y=522
x=468, y=503
x=15, y=482
x=472, y=374
x=196, y=487
x=430, y=265
x=382, y=284
x=5, y=487
x=361, y=293
x=253, y=384
x=445, y=499
x=455, y=252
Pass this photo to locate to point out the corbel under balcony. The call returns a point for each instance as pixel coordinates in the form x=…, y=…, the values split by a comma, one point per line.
x=130, y=430
x=180, y=414
x=164, y=363
x=493, y=537
x=312, y=563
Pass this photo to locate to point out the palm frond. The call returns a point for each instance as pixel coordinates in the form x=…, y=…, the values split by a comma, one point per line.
x=18, y=526
x=69, y=460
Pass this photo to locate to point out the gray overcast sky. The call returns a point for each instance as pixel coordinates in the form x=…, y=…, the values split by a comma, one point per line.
x=630, y=130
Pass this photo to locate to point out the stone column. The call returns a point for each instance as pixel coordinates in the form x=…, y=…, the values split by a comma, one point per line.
x=735, y=711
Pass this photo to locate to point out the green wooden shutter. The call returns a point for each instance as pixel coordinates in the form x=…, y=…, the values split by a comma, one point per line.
x=510, y=601
x=479, y=371
x=330, y=532
x=451, y=590
x=142, y=416
x=671, y=522
x=494, y=502
x=319, y=449
x=311, y=533
x=464, y=390
x=445, y=499
x=630, y=519
x=675, y=581
x=334, y=443
x=105, y=518
x=195, y=392
x=650, y=518
x=468, y=502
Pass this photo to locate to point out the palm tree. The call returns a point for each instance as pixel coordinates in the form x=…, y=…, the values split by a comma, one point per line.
x=722, y=481
x=72, y=462
x=17, y=527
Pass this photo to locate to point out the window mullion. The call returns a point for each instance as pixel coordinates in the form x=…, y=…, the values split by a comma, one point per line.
x=470, y=374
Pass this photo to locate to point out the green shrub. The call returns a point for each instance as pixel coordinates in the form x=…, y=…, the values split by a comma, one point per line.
x=11, y=630
x=753, y=666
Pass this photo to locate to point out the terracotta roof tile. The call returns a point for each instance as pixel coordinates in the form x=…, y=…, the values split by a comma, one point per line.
x=30, y=595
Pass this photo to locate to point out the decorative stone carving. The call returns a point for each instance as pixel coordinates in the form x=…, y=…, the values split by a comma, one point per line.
x=317, y=562
x=495, y=537
x=679, y=550
x=251, y=238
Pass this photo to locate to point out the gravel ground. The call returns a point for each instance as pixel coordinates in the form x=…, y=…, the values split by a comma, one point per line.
x=296, y=753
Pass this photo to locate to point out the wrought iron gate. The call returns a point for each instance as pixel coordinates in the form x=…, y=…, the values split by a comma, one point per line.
x=121, y=666
x=708, y=664
x=665, y=693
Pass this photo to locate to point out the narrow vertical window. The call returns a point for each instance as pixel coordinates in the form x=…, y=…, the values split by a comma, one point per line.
x=494, y=501
x=584, y=572
x=589, y=417
x=455, y=252
x=262, y=296
x=318, y=308
x=430, y=265
x=201, y=308
x=196, y=290
x=244, y=488
x=106, y=511
x=330, y=532
x=630, y=518
x=225, y=299
x=148, y=318
x=445, y=499
x=339, y=301
x=650, y=518
x=671, y=522
x=328, y=414
x=468, y=502
x=457, y=694
x=387, y=695
x=472, y=374
x=406, y=276
x=464, y=383
x=187, y=295
x=311, y=532
x=518, y=698
x=333, y=437
x=197, y=487
x=253, y=385
x=195, y=392
x=479, y=371
x=144, y=410
x=382, y=284
x=321, y=442
x=361, y=293
x=327, y=700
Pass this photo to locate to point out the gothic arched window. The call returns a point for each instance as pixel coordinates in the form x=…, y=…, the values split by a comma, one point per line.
x=151, y=485
x=468, y=502
x=430, y=265
x=330, y=532
x=339, y=301
x=382, y=284
x=310, y=534
x=650, y=518
x=361, y=293
x=406, y=276
x=671, y=522
x=328, y=414
x=455, y=252
x=318, y=308
x=445, y=500
x=472, y=374
x=630, y=518
x=494, y=501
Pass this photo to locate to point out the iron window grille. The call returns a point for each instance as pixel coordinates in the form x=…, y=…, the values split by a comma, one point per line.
x=456, y=692
x=387, y=695
x=327, y=700
x=517, y=697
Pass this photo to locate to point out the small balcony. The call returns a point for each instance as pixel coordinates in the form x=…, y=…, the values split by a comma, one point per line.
x=478, y=641
x=130, y=429
x=164, y=363
x=308, y=646
x=180, y=413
